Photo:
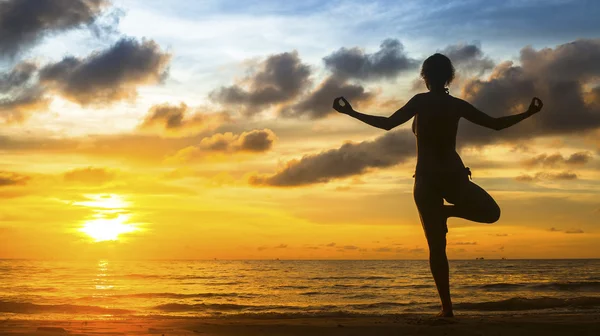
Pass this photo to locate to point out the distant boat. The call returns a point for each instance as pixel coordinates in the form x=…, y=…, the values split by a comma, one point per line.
x=479, y=258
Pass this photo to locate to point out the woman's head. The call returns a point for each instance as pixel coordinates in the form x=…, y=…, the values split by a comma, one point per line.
x=437, y=71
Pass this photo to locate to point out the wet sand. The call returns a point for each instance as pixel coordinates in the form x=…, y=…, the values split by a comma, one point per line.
x=538, y=324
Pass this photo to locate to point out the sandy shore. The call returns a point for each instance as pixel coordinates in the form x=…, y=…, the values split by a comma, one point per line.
x=549, y=324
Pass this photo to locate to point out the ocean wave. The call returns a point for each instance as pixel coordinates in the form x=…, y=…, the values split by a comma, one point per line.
x=175, y=295
x=32, y=308
x=292, y=287
x=239, y=308
x=367, y=277
x=314, y=293
x=361, y=296
x=219, y=307
x=376, y=305
x=521, y=303
x=581, y=286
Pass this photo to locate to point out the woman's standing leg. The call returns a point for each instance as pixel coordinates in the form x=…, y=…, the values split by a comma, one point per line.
x=431, y=206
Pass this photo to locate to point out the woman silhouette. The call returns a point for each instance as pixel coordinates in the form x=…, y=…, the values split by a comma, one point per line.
x=440, y=173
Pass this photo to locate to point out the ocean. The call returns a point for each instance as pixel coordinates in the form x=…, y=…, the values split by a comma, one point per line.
x=35, y=289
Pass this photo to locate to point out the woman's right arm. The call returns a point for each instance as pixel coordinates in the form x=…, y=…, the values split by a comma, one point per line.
x=399, y=117
x=475, y=116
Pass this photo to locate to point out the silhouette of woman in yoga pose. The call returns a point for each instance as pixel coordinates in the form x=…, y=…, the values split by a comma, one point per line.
x=440, y=173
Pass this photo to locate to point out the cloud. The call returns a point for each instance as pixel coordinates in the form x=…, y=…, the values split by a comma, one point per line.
x=560, y=76
x=346, y=64
x=574, y=231
x=318, y=103
x=350, y=159
x=330, y=245
x=90, y=175
x=177, y=120
x=468, y=58
x=279, y=79
x=464, y=243
x=19, y=93
x=349, y=247
x=20, y=107
x=571, y=231
x=264, y=247
x=540, y=176
x=255, y=141
x=107, y=76
x=383, y=249
x=354, y=63
x=12, y=179
x=554, y=160
x=23, y=23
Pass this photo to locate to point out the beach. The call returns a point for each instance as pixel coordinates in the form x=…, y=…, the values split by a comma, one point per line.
x=403, y=324
x=491, y=297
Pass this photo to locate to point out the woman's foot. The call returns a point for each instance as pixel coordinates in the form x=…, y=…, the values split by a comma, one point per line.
x=445, y=313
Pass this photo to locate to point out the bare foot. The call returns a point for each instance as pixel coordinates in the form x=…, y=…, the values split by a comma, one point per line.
x=444, y=313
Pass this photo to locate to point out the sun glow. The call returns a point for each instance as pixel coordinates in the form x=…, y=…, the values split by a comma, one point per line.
x=110, y=220
x=102, y=229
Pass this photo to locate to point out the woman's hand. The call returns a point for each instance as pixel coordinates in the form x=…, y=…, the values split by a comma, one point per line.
x=535, y=106
x=341, y=105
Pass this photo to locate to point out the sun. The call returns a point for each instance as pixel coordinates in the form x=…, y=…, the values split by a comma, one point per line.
x=103, y=229
x=111, y=217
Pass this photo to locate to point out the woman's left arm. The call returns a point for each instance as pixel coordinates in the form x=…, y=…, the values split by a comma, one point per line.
x=387, y=123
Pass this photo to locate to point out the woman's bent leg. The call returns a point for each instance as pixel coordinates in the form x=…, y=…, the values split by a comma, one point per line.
x=471, y=202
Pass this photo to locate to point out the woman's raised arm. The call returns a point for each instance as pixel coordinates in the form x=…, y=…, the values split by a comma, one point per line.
x=387, y=123
x=475, y=116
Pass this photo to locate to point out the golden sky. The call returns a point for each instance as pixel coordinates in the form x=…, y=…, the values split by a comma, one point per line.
x=134, y=131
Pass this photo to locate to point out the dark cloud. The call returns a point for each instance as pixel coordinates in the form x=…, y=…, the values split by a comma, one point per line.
x=570, y=231
x=108, y=76
x=24, y=22
x=19, y=93
x=11, y=179
x=279, y=79
x=354, y=63
x=350, y=159
x=559, y=76
x=554, y=160
x=468, y=58
x=165, y=115
x=18, y=108
x=317, y=104
x=574, y=231
x=90, y=175
x=18, y=77
x=540, y=176
x=179, y=119
x=255, y=141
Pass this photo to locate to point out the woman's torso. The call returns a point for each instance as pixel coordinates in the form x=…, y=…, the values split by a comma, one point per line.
x=435, y=126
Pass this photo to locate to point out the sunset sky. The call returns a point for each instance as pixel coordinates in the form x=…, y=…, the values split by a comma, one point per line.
x=203, y=129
